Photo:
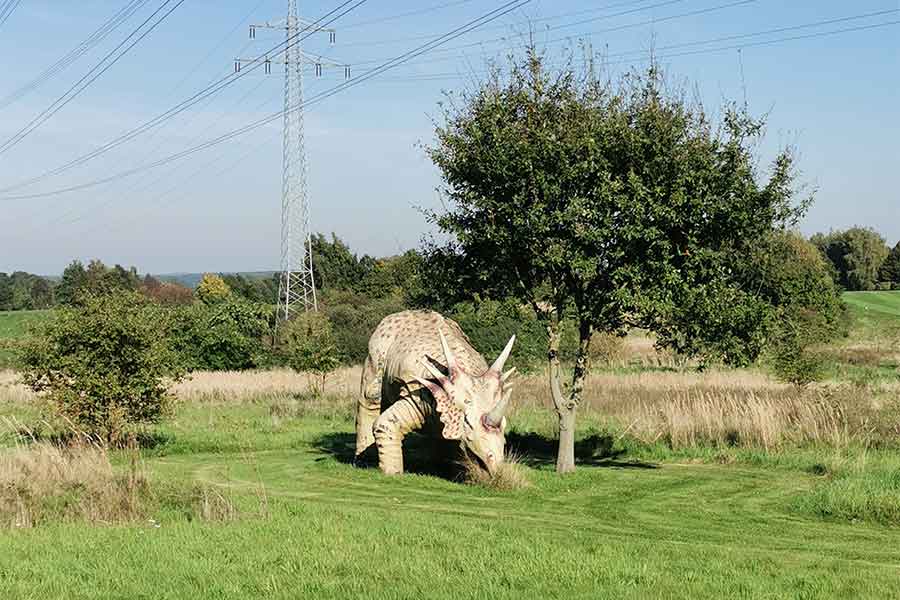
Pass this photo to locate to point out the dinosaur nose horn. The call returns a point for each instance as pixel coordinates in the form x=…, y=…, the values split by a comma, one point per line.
x=495, y=417
x=452, y=367
x=497, y=367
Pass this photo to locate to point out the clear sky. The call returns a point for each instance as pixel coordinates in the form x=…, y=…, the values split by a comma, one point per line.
x=835, y=97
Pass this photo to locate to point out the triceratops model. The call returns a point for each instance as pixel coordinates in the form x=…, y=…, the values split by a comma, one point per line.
x=422, y=373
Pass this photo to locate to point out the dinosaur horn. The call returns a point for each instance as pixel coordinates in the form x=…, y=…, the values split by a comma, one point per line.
x=452, y=367
x=435, y=372
x=497, y=367
x=434, y=388
x=495, y=417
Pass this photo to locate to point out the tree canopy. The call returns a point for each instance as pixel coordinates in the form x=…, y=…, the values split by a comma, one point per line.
x=890, y=268
x=856, y=256
x=618, y=202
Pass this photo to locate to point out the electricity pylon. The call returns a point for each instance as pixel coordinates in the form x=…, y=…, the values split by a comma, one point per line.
x=297, y=286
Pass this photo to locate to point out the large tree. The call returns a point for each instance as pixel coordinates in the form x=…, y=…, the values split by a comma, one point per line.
x=856, y=255
x=609, y=201
x=890, y=268
x=72, y=284
x=6, y=292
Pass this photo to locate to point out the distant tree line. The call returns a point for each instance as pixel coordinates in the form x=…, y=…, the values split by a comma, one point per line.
x=859, y=259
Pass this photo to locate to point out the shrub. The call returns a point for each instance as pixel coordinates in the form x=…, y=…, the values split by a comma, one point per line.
x=793, y=357
x=353, y=318
x=606, y=348
x=225, y=336
x=212, y=289
x=166, y=293
x=105, y=366
x=490, y=323
x=308, y=346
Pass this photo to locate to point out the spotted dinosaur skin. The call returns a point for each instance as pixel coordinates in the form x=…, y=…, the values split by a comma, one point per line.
x=395, y=399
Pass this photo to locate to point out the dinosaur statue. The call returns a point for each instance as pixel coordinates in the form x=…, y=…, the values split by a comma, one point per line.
x=405, y=387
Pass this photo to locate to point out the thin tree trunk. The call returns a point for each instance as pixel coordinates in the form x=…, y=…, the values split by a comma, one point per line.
x=565, y=457
x=566, y=408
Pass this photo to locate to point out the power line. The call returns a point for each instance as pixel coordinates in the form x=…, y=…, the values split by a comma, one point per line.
x=595, y=19
x=388, y=65
x=411, y=13
x=694, y=43
x=197, y=97
x=229, y=168
x=77, y=213
x=450, y=76
x=80, y=50
x=7, y=9
x=72, y=217
x=529, y=22
x=177, y=86
x=91, y=76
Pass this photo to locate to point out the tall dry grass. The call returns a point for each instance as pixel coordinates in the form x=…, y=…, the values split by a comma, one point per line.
x=681, y=408
x=262, y=386
x=43, y=482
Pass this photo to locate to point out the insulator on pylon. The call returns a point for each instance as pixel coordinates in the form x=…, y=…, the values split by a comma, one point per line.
x=237, y=66
x=318, y=69
x=268, y=66
x=347, y=72
x=332, y=36
x=252, y=32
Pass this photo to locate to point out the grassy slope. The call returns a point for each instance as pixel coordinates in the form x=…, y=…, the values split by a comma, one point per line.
x=614, y=529
x=874, y=307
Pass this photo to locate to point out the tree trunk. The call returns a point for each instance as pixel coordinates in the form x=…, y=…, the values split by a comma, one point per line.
x=566, y=408
x=565, y=456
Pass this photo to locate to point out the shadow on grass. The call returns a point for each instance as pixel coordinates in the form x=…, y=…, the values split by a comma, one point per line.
x=595, y=450
x=440, y=458
x=422, y=454
x=143, y=440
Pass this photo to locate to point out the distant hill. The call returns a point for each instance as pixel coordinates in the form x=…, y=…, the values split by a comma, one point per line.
x=191, y=280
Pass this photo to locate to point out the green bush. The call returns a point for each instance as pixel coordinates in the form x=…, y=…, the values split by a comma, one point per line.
x=230, y=335
x=490, y=323
x=105, y=365
x=308, y=346
x=212, y=289
x=353, y=318
x=793, y=344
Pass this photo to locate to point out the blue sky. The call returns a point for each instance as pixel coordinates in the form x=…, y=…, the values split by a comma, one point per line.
x=835, y=97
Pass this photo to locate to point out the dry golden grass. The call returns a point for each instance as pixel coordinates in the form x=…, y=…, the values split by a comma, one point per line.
x=508, y=476
x=11, y=390
x=681, y=408
x=249, y=385
x=48, y=482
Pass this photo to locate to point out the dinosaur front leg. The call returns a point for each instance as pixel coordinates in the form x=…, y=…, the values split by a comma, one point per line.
x=368, y=407
x=390, y=428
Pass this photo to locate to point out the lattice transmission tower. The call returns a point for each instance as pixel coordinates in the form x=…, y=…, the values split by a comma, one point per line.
x=297, y=286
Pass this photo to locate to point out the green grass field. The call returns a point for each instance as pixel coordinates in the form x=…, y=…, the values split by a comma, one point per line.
x=13, y=325
x=315, y=527
x=874, y=309
x=637, y=520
